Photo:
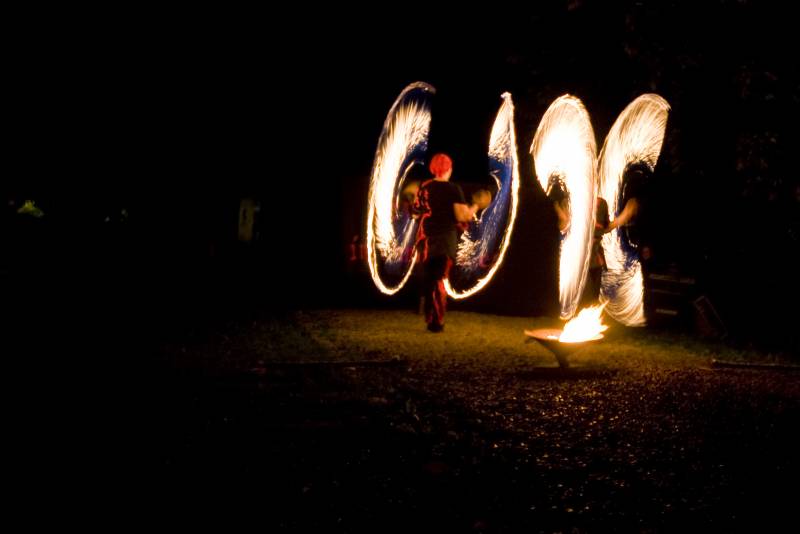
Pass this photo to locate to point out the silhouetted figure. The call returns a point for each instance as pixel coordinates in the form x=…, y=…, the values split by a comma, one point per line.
x=633, y=190
x=558, y=195
x=597, y=261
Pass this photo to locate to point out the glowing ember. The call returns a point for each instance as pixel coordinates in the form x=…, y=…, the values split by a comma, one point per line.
x=637, y=136
x=564, y=149
x=402, y=144
x=587, y=325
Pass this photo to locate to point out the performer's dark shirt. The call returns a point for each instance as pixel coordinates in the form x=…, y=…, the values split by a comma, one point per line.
x=435, y=201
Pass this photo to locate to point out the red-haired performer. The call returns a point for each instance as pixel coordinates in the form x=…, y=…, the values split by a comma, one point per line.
x=442, y=206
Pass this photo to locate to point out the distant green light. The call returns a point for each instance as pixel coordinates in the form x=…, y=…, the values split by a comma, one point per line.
x=29, y=208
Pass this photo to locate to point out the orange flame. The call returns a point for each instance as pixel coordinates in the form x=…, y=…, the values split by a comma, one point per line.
x=587, y=325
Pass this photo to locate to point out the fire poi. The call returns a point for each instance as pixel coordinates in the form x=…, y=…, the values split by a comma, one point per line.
x=390, y=231
x=483, y=245
x=565, y=161
x=563, y=145
x=403, y=143
x=635, y=137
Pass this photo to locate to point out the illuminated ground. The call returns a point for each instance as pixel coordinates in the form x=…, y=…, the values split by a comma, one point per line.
x=471, y=430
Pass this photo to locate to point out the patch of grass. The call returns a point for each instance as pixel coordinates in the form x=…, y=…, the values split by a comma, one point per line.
x=469, y=338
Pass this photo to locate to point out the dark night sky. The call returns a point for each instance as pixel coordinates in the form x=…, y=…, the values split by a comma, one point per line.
x=176, y=115
x=172, y=100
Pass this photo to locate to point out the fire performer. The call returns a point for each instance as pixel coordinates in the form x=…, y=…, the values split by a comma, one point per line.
x=635, y=178
x=442, y=206
x=557, y=193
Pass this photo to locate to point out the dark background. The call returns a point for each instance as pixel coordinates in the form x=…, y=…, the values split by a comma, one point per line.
x=176, y=116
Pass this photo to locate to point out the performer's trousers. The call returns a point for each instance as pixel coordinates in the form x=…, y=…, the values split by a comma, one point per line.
x=436, y=269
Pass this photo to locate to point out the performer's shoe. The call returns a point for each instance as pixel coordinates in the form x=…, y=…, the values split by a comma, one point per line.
x=436, y=328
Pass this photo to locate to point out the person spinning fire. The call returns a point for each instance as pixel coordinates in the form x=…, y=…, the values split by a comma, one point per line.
x=633, y=190
x=441, y=206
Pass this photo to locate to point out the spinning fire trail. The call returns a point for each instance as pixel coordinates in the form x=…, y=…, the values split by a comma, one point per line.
x=483, y=245
x=564, y=153
x=565, y=161
x=402, y=144
x=636, y=137
x=391, y=232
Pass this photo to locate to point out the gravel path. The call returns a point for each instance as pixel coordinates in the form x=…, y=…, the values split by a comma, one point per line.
x=474, y=430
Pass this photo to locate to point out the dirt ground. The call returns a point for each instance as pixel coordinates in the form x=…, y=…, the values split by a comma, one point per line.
x=362, y=421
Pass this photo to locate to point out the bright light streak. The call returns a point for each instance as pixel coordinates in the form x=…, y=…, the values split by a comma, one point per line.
x=637, y=136
x=479, y=254
x=402, y=144
x=564, y=148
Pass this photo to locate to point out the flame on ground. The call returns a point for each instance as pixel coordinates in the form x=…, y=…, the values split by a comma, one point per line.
x=585, y=326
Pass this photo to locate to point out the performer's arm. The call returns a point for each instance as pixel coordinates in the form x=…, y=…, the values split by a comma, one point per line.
x=628, y=212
